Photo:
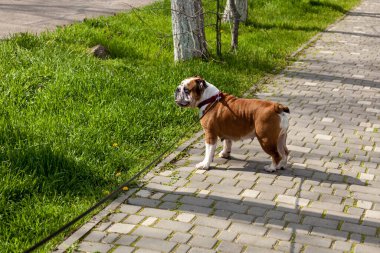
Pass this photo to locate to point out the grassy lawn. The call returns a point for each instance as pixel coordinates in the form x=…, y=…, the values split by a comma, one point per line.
x=72, y=127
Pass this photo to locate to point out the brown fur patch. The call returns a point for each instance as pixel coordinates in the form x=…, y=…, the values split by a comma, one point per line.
x=237, y=118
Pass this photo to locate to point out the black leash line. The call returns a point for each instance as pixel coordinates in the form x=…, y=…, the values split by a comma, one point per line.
x=117, y=191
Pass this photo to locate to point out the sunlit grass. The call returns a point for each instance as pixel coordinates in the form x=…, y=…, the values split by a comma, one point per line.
x=72, y=127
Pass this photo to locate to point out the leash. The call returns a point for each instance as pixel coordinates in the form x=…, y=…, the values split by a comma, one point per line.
x=119, y=189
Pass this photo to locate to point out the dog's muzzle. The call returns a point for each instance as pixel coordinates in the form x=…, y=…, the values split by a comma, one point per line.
x=181, y=98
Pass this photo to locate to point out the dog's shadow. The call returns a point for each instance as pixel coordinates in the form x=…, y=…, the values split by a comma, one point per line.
x=303, y=171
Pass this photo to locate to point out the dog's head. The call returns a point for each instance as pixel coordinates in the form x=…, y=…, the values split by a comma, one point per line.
x=189, y=92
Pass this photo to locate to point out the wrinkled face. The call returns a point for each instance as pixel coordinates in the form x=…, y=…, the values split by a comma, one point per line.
x=189, y=92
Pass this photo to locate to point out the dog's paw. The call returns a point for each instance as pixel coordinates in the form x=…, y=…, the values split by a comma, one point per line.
x=224, y=155
x=269, y=168
x=202, y=165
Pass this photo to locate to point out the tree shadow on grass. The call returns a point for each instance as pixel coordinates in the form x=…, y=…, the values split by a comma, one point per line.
x=283, y=26
x=43, y=169
x=328, y=4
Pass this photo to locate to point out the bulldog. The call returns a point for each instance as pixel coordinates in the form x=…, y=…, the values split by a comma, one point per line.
x=231, y=119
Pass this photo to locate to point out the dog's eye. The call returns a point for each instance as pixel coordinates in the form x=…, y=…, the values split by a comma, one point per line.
x=186, y=90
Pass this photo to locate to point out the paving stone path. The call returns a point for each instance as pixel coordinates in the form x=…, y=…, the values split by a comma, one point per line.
x=327, y=201
x=39, y=15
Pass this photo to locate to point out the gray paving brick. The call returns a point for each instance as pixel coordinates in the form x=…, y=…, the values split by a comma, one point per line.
x=123, y=249
x=154, y=212
x=212, y=222
x=247, y=229
x=309, y=195
x=330, y=233
x=341, y=216
x=174, y=225
x=229, y=247
x=226, y=189
x=291, y=217
x=274, y=214
x=242, y=217
x=292, y=200
x=196, y=201
x=256, y=240
x=267, y=195
x=238, y=208
x=126, y=240
x=180, y=237
x=313, y=240
x=134, y=219
x=204, y=231
x=273, y=223
x=269, y=188
x=327, y=205
x=279, y=234
x=120, y=228
x=254, y=249
x=361, y=248
x=201, y=250
x=202, y=242
x=182, y=248
x=287, y=246
x=94, y=247
x=320, y=222
x=330, y=198
x=144, y=202
x=155, y=244
x=361, y=229
x=110, y=238
x=95, y=236
x=195, y=209
x=228, y=236
x=313, y=249
x=129, y=209
x=117, y=217
x=257, y=211
x=342, y=245
x=152, y=232
x=298, y=228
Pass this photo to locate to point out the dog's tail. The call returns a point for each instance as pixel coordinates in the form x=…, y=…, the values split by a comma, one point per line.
x=279, y=108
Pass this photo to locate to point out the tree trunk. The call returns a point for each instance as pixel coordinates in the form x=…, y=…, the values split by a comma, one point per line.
x=188, y=30
x=242, y=9
x=235, y=26
x=218, y=30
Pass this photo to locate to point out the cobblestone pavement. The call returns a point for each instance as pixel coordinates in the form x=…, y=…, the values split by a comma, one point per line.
x=38, y=15
x=328, y=200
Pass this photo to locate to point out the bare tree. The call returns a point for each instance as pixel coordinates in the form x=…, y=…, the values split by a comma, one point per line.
x=241, y=7
x=188, y=30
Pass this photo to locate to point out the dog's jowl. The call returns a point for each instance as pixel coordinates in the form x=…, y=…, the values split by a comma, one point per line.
x=232, y=119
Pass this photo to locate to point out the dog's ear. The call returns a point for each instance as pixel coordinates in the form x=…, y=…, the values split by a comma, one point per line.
x=201, y=83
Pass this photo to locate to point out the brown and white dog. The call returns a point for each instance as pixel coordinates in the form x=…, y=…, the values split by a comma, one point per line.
x=231, y=119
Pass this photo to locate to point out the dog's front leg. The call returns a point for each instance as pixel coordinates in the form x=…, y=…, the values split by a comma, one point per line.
x=210, y=145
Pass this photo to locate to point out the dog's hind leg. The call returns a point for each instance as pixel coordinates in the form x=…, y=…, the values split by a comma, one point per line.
x=271, y=149
x=283, y=150
x=226, y=152
x=281, y=144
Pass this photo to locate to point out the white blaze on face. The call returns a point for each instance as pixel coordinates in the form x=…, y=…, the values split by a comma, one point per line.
x=182, y=94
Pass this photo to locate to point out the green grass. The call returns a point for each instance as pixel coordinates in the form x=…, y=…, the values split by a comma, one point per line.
x=73, y=127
